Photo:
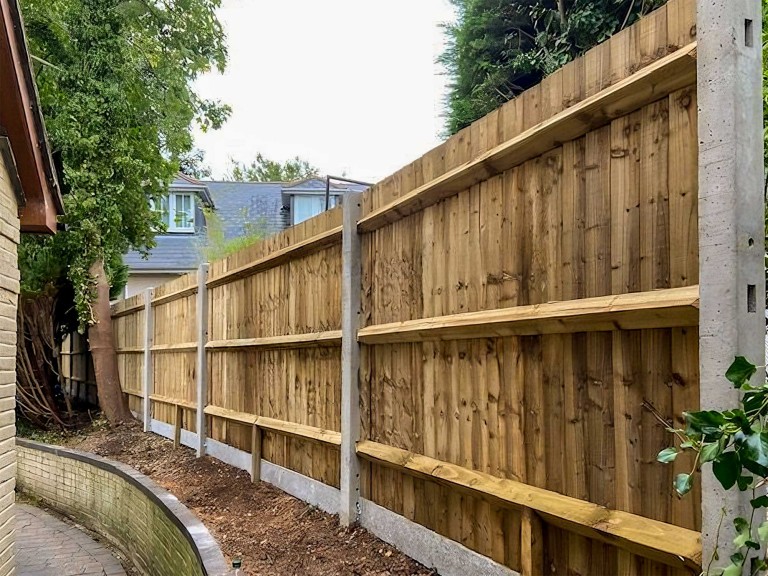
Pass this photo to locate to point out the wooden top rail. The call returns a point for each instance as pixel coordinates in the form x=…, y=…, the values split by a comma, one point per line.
x=659, y=541
x=127, y=311
x=300, y=431
x=232, y=415
x=177, y=295
x=130, y=350
x=647, y=85
x=134, y=393
x=329, y=338
x=674, y=307
x=172, y=401
x=181, y=347
x=312, y=244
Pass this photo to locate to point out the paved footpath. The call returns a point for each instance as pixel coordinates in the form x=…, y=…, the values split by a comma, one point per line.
x=46, y=546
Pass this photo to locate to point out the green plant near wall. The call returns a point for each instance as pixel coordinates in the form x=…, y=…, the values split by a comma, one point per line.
x=735, y=443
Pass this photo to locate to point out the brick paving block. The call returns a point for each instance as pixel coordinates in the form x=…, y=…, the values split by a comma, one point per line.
x=46, y=546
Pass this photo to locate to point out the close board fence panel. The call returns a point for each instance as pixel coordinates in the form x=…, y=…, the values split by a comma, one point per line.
x=529, y=302
x=128, y=323
x=272, y=348
x=173, y=352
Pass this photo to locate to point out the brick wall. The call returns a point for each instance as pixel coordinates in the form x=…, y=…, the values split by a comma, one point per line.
x=150, y=526
x=9, y=291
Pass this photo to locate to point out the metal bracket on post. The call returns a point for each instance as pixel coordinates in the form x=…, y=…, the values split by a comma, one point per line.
x=201, y=367
x=149, y=327
x=731, y=225
x=350, y=361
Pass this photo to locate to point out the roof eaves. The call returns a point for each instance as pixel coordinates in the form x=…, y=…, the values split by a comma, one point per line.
x=16, y=34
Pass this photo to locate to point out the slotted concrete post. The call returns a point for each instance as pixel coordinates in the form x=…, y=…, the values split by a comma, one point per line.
x=349, y=509
x=731, y=225
x=201, y=366
x=149, y=324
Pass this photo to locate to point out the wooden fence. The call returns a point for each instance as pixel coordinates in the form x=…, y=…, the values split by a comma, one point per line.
x=523, y=290
x=77, y=376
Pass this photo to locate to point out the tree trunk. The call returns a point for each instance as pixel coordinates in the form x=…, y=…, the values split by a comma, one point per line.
x=113, y=402
x=563, y=14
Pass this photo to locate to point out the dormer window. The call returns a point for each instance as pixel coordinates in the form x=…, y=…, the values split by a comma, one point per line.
x=177, y=211
x=305, y=206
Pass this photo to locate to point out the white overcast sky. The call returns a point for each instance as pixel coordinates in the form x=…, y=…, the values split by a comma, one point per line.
x=350, y=85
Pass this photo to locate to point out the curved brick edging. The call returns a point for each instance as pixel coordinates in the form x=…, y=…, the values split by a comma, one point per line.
x=148, y=524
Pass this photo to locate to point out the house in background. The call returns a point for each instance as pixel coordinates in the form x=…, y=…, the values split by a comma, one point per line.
x=239, y=208
x=30, y=201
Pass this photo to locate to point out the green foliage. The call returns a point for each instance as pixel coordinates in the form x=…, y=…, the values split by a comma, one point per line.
x=265, y=170
x=193, y=164
x=119, y=109
x=735, y=442
x=765, y=89
x=217, y=246
x=497, y=48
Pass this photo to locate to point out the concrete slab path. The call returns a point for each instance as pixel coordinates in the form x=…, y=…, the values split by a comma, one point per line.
x=47, y=546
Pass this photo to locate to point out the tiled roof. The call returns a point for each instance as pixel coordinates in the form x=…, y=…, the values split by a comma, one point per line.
x=245, y=206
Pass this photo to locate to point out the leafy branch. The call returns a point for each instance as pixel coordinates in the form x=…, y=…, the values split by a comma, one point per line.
x=735, y=443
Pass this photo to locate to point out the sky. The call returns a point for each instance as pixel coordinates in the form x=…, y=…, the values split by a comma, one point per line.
x=352, y=86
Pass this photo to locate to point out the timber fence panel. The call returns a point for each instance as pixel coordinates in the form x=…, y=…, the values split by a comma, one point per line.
x=275, y=344
x=174, y=351
x=525, y=287
x=128, y=323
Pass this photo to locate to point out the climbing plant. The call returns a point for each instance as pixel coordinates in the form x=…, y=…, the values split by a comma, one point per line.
x=735, y=443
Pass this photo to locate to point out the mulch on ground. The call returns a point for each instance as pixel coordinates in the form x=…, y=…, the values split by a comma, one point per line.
x=274, y=533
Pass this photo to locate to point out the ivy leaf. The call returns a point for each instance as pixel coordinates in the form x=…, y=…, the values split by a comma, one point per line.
x=752, y=402
x=683, y=484
x=740, y=371
x=711, y=451
x=738, y=417
x=667, y=455
x=706, y=423
x=732, y=570
x=742, y=531
x=727, y=469
x=754, y=449
x=759, y=502
x=762, y=532
x=757, y=565
x=744, y=482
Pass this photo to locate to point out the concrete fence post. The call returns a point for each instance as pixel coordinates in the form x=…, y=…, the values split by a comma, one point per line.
x=149, y=325
x=731, y=225
x=349, y=508
x=201, y=367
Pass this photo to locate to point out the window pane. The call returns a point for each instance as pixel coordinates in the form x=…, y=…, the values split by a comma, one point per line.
x=304, y=207
x=183, y=217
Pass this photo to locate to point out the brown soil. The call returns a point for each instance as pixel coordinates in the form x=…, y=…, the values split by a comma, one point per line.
x=273, y=533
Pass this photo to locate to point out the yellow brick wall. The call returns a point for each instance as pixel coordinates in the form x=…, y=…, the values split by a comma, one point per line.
x=108, y=504
x=9, y=290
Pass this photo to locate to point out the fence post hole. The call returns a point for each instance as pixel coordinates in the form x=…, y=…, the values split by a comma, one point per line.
x=256, y=454
x=178, y=422
x=350, y=361
x=148, y=338
x=201, y=368
x=731, y=223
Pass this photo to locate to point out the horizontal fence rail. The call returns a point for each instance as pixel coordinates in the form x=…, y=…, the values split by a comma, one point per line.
x=470, y=343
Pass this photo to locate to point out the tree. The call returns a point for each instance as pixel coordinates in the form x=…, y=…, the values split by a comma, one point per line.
x=193, y=165
x=497, y=48
x=115, y=88
x=264, y=170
